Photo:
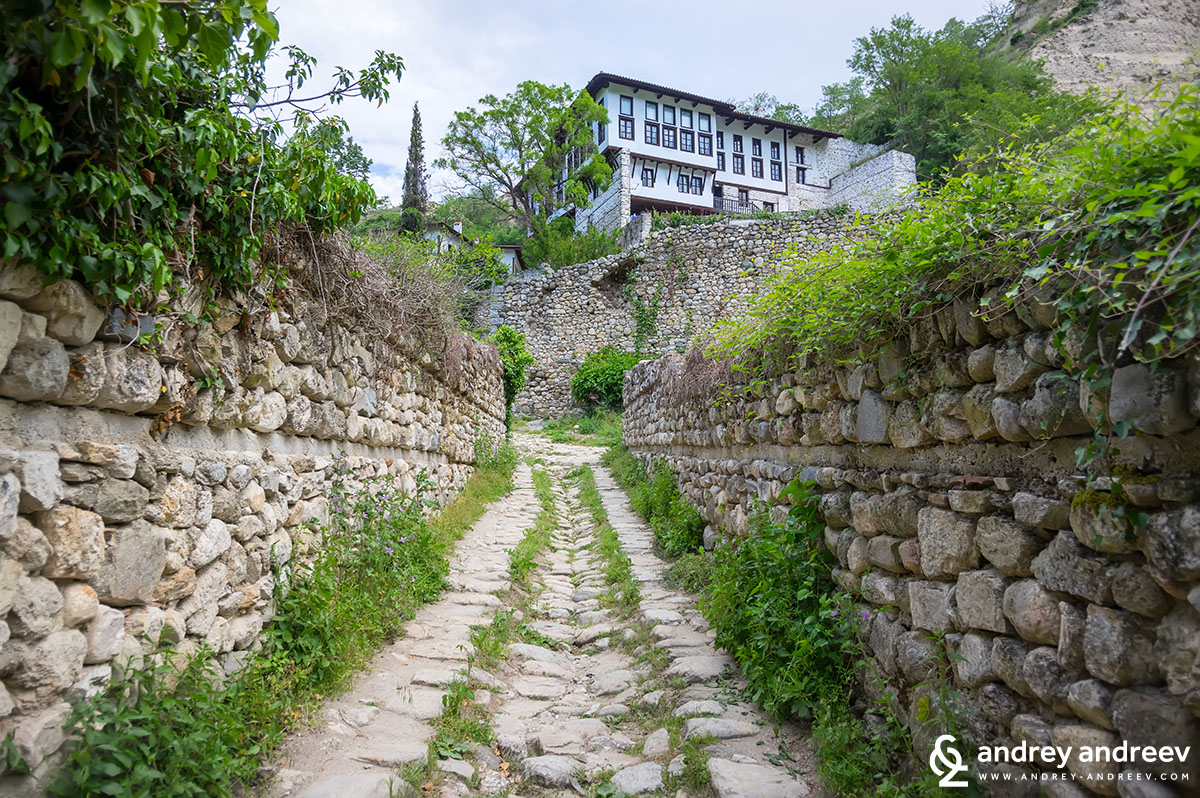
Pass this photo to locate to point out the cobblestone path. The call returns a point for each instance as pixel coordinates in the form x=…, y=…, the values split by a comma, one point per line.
x=639, y=702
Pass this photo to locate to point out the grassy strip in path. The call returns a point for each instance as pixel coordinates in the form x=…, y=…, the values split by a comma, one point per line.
x=523, y=556
x=623, y=595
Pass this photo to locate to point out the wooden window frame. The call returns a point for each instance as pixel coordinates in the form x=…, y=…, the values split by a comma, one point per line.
x=739, y=163
x=720, y=162
x=650, y=105
x=669, y=138
x=720, y=139
x=647, y=171
x=698, y=185
x=704, y=123
x=687, y=141
x=756, y=168
x=621, y=106
x=648, y=128
x=738, y=144
x=777, y=171
x=683, y=184
x=756, y=147
x=685, y=113
x=625, y=123
x=668, y=115
x=704, y=144
x=774, y=150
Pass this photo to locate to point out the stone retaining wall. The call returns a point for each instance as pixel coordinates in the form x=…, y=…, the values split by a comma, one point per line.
x=145, y=502
x=696, y=275
x=947, y=477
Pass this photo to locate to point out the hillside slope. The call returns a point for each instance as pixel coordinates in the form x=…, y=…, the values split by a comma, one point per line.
x=1123, y=45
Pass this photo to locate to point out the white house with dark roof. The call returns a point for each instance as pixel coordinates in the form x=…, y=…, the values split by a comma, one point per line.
x=675, y=151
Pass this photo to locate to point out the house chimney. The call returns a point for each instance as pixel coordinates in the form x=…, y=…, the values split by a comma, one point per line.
x=458, y=227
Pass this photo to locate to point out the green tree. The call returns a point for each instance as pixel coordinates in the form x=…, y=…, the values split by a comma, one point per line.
x=941, y=94
x=768, y=105
x=140, y=139
x=416, y=188
x=534, y=149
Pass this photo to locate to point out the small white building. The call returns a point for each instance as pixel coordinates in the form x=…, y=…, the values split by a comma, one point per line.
x=675, y=151
x=510, y=256
x=445, y=236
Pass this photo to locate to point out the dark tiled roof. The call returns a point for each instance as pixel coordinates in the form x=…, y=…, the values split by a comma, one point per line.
x=602, y=79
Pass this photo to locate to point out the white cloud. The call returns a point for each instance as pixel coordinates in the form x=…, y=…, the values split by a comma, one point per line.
x=456, y=51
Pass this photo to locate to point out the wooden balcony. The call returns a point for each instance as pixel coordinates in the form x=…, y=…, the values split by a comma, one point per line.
x=733, y=205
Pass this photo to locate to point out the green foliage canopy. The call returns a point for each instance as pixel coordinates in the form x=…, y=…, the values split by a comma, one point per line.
x=942, y=94
x=137, y=142
x=599, y=380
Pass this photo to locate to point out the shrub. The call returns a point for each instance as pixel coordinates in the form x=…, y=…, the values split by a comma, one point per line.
x=559, y=245
x=774, y=606
x=515, y=357
x=411, y=222
x=600, y=377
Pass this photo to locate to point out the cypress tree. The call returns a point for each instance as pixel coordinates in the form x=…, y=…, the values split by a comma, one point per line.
x=416, y=189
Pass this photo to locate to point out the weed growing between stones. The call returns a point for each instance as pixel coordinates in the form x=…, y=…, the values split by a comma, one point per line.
x=691, y=572
x=181, y=722
x=523, y=556
x=623, y=595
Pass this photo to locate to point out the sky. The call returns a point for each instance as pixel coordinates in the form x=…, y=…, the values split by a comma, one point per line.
x=456, y=51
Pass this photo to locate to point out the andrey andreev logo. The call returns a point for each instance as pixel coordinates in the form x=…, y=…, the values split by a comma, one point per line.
x=946, y=761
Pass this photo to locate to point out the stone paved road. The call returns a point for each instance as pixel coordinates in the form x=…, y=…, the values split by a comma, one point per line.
x=585, y=708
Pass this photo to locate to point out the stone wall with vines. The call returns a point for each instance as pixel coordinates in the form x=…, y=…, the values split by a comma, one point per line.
x=158, y=475
x=662, y=295
x=969, y=515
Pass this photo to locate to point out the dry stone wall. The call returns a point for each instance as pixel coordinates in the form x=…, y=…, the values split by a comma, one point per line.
x=142, y=504
x=685, y=277
x=947, y=477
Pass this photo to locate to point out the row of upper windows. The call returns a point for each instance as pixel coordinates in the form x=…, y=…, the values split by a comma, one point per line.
x=756, y=166
x=703, y=120
x=685, y=120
